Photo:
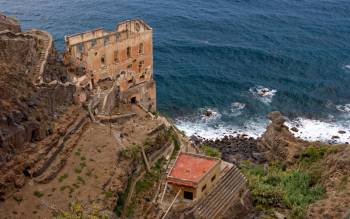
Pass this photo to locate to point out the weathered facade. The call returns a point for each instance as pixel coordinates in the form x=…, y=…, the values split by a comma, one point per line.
x=124, y=56
x=195, y=175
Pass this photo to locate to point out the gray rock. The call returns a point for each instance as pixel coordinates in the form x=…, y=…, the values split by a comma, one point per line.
x=294, y=129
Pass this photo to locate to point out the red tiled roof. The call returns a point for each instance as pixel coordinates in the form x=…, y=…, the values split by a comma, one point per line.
x=191, y=167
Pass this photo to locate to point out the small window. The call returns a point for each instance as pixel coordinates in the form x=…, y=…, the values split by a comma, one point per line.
x=129, y=66
x=137, y=27
x=128, y=52
x=188, y=195
x=103, y=60
x=213, y=178
x=141, y=48
x=141, y=64
x=116, y=56
x=93, y=43
x=80, y=47
x=106, y=40
x=204, y=187
x=142, y=77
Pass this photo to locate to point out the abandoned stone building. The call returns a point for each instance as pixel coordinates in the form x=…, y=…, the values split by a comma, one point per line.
x=194, y=174
x=124, y=56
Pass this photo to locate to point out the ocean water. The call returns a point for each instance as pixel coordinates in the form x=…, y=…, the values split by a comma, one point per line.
x=219, y=54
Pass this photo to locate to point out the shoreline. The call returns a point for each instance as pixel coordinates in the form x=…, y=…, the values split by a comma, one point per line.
x=329, y=132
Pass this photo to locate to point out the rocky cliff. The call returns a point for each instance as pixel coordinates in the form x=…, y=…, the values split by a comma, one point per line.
x=27, y=111
x=278, y=143
x=9, y=23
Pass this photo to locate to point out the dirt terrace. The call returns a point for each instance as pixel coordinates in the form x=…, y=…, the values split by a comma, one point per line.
x=93, y=174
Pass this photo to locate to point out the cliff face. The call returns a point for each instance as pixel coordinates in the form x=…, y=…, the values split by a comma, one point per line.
x=328, y=165
x=9, y=23
x=278, y=143
x=27, y=111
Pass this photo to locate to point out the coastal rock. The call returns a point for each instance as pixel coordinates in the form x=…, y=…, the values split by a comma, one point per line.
x=278, y=143
x=341, y=132
x=294, y=129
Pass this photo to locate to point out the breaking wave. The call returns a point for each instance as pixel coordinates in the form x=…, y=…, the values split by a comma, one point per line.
x=264, y=94
x=343, y=108
x=324, y=131
x=214, y=127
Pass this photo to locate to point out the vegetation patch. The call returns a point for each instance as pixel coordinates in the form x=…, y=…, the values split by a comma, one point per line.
x=77, y=211
x=145, y=186
x=133, y=151
x=38, y=194
x=121, y=199
x=63, y=177
x=210, y=151
x=293, y=188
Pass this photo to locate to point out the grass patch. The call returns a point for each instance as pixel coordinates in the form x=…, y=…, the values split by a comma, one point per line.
x=63, y=177
x=210, y=151
x=312, y=154
x=277, y=187
x=133, y=151
x=38, y=194
x=88, y=173
x=82, y=158
x=121, y=199
x=77, y=153
x=108, y=194
x=81, y=180
x=77, y=170
x=62, y=188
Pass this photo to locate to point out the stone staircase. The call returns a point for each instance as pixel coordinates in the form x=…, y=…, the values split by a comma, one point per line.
x=163, y=184
x=46, y=47
x=222, y=197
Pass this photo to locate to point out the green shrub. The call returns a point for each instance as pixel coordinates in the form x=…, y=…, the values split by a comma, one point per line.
x=210, y=151
x=38, y=194
x=133, y=151
x=280, y=187
x=63, y=177
x=313, y=154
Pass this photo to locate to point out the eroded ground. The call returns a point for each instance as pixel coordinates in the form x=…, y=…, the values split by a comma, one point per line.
x=93, y=174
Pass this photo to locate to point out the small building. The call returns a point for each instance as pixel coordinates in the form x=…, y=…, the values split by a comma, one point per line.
x=194, y=174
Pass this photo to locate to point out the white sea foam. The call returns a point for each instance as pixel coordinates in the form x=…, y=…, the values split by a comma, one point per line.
x=264, y=94
x=347, y=67
x=236, y=108
x=324, y=131
x=209, y=114
x=308, y=129
x=343, y=108
x=214, y=131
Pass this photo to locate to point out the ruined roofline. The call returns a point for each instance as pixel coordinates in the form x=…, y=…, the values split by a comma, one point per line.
x=103, y=31
x=82, y=33
x=132, y=20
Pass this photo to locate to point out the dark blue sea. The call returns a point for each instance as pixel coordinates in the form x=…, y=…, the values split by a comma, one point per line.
x=219, y=55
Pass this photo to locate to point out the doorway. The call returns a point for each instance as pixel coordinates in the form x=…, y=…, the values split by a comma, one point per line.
x=133, y=100
x=188, y=195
